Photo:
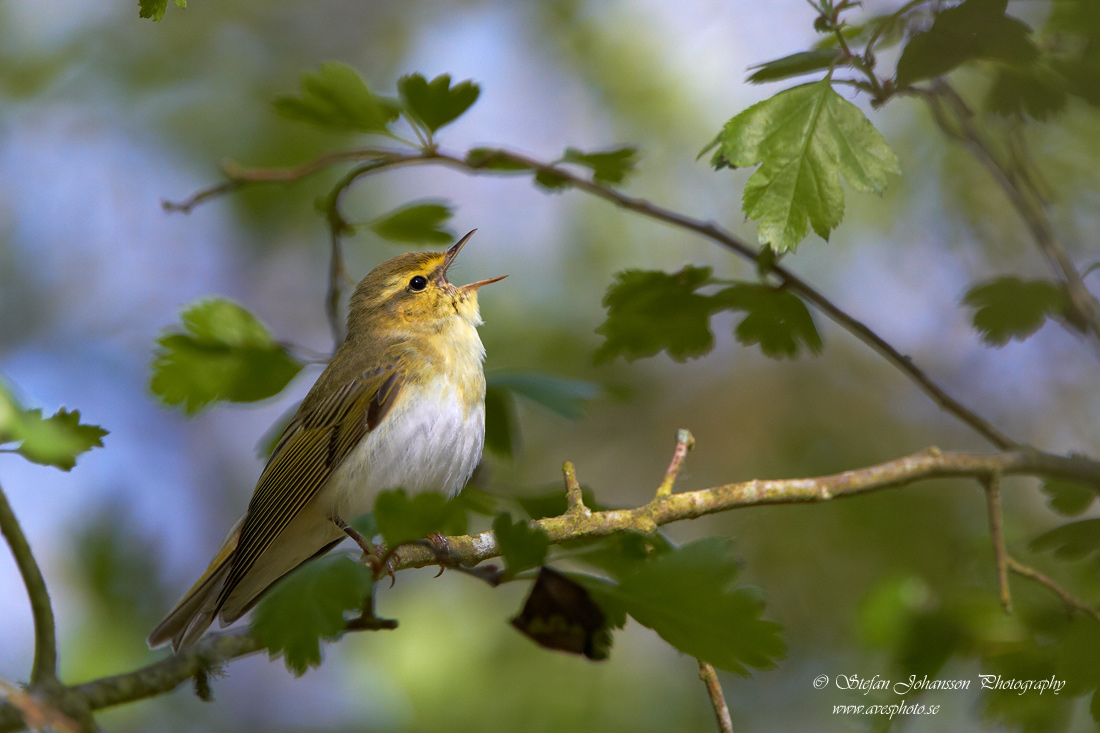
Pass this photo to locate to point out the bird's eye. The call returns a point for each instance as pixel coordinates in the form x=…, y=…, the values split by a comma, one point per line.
x=418, y=283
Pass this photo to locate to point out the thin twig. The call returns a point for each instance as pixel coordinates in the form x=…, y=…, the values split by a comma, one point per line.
x=996, y=531
x=1073, y=603
x=574, y=496
x=483, y=166
x=44, y=671
x=685, y=441
x=717, y=699
x=1029, y=207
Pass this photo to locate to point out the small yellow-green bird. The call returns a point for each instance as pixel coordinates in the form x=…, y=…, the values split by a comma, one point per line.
x=401, y=405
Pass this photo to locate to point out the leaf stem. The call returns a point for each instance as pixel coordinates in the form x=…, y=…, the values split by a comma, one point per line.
x=717, y=699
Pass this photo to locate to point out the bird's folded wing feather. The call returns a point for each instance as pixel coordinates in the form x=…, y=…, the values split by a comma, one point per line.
x=313, y=445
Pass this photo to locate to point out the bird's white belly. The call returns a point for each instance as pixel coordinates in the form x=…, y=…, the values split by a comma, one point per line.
x=431, y=440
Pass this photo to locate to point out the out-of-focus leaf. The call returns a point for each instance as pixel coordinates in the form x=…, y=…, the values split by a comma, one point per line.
x=1035, y=90
x=609, y=166
x=1069, y=497
x=154, y=9
x=521, y=545
x=1071, y=541
x=336, y=98
x=804, y=139
x=559, y=614
x=308, y=605
x=402, y=518
x=1078, y=651
x=436, y=103
x=419, y=223
x=552, y=181
x=687, y=596
x=884, y=613
x=566, y=397
x=493, y=160
x=776, y=318
x=803, y=62
x=502, y=434
x=650, y=311
x=974, y=29
x=222, y=353
x=1010, y=308
x=929, y=640
x=51, y=441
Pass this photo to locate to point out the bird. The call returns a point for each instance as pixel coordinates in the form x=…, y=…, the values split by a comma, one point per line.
x=401, y=404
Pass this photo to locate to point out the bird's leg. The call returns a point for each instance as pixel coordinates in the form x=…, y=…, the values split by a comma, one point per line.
x=372, y=555
x=442, y=552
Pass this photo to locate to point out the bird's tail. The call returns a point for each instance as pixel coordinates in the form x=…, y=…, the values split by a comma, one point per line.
x=193, y=614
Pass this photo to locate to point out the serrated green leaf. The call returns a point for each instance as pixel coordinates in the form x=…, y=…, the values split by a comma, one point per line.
x=1010, y=308
x=609, y=166
x=152, y=9
x=308, y=605
x=1035, y=90
x=417, y=223
x=621, y=553
x=402, y=518
x=222, y=353
x=1069, y=497
x=651, y=311
x=436, y=103
x=804, y=139
x=687, y=596
x=1071, y=541
x=776, y=319
x=50, y=441
x=974, y=29
x=566, y=397
x=494, y=160
x=335, y=97
x=522, y=546
x=803, y=62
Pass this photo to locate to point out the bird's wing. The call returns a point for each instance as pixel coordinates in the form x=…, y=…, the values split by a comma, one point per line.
x=312, y=446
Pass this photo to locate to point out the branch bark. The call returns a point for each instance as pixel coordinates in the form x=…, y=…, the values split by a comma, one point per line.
x=217, y=649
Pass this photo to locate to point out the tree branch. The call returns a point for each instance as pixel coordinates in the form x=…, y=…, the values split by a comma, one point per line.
x=44, y=671
x=217, y=649
x=384, y=159
x=996, y=532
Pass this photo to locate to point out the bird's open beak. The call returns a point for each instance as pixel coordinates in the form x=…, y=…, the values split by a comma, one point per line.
x=449, y=257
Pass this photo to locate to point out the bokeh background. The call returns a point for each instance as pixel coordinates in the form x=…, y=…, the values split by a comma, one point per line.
x=102, y=115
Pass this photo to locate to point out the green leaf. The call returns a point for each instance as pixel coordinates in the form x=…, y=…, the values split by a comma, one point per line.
x=1010, y=308
x=975, y=29
x=566, y=397
x=335, y=97
x=153, y=9
x=804, y=139
x=1072, y=541
x=418, y=223
x=50, y=441
x=1035, y=90
x=1078, y=651
x=552, y=181
x=777, y=319
x=436, y=103
x=1069, y=497
x=308, y=605
x=521, y=545
x=494, y=160
x=621, y=553
x=402, y=518
x=651, y=311
x=687, y=596
x=609, y=166
x=223, y=353
x=803, y=62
